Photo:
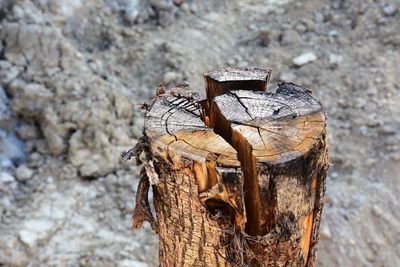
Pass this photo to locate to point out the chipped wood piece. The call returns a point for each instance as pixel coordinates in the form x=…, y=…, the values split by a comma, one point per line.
x=220, y=81
x=238, y=178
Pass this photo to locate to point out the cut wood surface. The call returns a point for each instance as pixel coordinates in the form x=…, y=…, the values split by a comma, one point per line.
x=239, y=177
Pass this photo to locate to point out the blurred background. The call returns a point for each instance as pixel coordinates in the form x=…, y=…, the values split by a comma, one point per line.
x=73, y=75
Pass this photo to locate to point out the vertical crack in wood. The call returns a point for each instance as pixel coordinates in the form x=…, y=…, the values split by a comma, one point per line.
x=225, y=81
x=248, y=163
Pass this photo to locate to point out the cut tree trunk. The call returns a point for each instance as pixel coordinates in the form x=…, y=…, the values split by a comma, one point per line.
x=238, y=178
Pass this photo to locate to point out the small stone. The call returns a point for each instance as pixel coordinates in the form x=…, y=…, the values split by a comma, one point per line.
x=392, y=40
x=319, y=17
x=171, y=76
x=160, y=4
x=304, y=58
x=309, y=24
x=185, y=7
x=334, y=175
x=290, y=37
x=335, y=60
x=5, y=112
x=26, y=132
x=177, y=2
x=395, y=157
x=5, y=177
x=28, y=238
x=127, y=263
x=387, y=129
x=333, y=33
x=23, y=173
x=36, y=230
x=363, y=130
x=389, y=9
x=35, y=159
x=243, y=64
x=370, y=161
x=132, y=11
x=325, y=232
x=301, y=27
x=287, y=76
x=231, y=62
x=193, y=8
x=132, y=15
x=279, y=11
x=5, y=162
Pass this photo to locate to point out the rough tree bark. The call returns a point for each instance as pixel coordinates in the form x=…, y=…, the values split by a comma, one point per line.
x=238, y=178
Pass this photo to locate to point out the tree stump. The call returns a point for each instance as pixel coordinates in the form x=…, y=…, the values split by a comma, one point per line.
x=238, y=178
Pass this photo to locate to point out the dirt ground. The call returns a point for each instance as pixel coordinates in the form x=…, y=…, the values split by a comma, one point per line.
x=73, y=75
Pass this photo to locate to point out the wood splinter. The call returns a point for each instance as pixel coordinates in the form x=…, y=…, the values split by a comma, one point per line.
x=239, y=177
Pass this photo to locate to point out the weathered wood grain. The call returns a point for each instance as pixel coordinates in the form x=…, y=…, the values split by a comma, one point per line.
x=239, y=177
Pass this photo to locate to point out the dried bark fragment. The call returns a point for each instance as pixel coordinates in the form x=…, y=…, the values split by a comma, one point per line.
x=142, y=211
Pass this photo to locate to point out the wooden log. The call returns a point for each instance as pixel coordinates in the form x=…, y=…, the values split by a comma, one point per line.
x=238, y=178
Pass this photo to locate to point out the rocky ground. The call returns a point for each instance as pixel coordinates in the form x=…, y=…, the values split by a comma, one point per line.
x=74, y=73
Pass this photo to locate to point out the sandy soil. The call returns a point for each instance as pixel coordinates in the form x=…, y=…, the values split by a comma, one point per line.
x=74, y=73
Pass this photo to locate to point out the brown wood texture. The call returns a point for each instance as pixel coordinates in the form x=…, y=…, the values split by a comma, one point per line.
x=238, y=178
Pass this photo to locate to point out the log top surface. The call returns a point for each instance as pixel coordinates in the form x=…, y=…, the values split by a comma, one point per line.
x=238, y=74
x=175, y=122
x=280, y=126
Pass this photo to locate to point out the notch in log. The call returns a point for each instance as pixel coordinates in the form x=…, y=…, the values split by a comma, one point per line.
x=240, y=175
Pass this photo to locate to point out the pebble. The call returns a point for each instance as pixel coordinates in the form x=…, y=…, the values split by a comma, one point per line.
x=5, y=177
x=5, y=113
x=309, y=24
x=193, y=8
x=363, y=130
x=334, y=175
x=178, y=2
x=35, y=159
x=160, y=4
x=185, y=7
x=287, y=76
x=23, y=173
x=127, y=263
x=5, y=162
x=304, y=58
x=243, y=64
x=171, y=76
x=335, y=60
x=291, y=37
x=395, y=157
x=389, y=9
x=301, y=27
x=231, y=62
x=325, y=232
x=319, y=17
x=27, y=131
x=132, y=11
x=333, y=33
x=35, y=230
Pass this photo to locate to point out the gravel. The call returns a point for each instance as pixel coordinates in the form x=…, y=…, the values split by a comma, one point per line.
x=73, y=75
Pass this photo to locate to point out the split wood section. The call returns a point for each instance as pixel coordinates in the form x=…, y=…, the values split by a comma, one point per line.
x=238, y=178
